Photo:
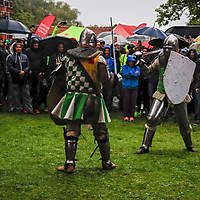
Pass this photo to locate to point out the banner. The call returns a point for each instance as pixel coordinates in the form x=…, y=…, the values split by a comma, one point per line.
x=45, y=25
x=141, y=25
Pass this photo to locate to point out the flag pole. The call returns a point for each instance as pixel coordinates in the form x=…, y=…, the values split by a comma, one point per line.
x=114, y=56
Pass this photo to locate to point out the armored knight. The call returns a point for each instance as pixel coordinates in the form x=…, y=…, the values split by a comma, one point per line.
x=75, y=99
x=161, y=97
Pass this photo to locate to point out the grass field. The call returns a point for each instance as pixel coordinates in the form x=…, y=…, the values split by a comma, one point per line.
x=31, y=147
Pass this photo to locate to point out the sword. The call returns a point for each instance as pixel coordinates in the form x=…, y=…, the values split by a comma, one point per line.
x=114, y=57
x=140, y=54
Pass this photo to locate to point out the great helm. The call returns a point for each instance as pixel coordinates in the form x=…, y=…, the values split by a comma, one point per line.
x=171, y=43
x=88, y=37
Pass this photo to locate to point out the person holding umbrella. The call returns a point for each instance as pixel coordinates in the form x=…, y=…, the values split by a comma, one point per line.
x=37, y=65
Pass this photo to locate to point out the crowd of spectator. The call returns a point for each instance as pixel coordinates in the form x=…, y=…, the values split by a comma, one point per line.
x=133, y=90
x=25, y=77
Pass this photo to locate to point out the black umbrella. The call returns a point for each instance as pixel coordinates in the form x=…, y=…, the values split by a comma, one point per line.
x=156, y=42
x=192, y=30
x=49, y=45
x=159, y=42
x=12, y=26
x=182, y=42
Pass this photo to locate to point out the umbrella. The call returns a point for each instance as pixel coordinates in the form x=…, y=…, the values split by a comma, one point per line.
x=119, y=39
x=49, y=45
x=12, y=26
x=36, y=36
x=136, y=38
x=151, y=31
x=72, y=32
x=196, y=46
x=159, y=42
x=156, y=42
x=104, y=34
x=189, y=30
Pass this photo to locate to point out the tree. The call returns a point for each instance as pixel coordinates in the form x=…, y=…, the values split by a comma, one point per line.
x=33, y=11
x=174, y=9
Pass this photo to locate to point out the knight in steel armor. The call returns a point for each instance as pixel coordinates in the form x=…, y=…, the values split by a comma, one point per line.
x=160, y=98
x=75, y=99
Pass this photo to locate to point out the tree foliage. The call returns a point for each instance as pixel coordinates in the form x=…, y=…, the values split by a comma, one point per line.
x=33, y=11
x=174, y=9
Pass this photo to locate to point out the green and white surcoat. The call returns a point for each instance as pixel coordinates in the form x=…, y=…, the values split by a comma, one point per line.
x=81, y=86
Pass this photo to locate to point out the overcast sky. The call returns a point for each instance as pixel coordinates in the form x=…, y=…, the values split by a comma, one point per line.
x=130, y=12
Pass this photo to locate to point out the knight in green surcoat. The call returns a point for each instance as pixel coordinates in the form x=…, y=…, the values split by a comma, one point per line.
x=75, y=98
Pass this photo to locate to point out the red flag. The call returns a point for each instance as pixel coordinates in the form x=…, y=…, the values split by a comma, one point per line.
x=45, y=25
x=141, y=25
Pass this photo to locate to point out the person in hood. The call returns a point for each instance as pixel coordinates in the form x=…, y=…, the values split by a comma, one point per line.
x=18, y=66
x=109, y=85
x=130, y=49
x=130, y=78
x=109, y=59
x=195, y=85
x=37, y=65
x=102, y=45
x=78, y=100
x=2, y=70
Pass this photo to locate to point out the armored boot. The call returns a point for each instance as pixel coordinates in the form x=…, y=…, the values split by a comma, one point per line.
x=147, y=140
x=70, y=152
x=104, y=147
x=188, y=142
x=150, y=145
x=184, y=126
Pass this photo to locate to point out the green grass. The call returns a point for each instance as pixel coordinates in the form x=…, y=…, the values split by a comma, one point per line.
x=31, y=147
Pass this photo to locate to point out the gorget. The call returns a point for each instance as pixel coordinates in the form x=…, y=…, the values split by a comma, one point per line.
x=163, y=59
x=84, y=52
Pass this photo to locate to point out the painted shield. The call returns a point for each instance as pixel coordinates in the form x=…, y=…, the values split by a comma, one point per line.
x=178, y=77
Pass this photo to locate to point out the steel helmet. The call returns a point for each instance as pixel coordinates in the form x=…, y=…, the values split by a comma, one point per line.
x=171, y=43
x=88, y=37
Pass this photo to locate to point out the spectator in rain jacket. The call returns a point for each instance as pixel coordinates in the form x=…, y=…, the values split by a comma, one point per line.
x=2, y=68
x=108, y=58
x=37, y=66
x=108, y=86
x=129, y=51
x=130, y=75
x=195, y=85
x=18, y=66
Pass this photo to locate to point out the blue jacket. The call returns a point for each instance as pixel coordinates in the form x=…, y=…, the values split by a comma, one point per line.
x=130, y=76
x=109, y=60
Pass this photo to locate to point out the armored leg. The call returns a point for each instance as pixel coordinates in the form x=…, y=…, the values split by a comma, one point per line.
x=184, y=126
x=153, y=119
x=71, y=137
x=101, y=135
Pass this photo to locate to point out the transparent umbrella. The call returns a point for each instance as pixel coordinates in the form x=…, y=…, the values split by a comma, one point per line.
x=104, y=34
x=117, y=38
